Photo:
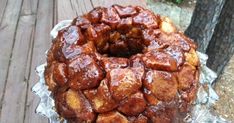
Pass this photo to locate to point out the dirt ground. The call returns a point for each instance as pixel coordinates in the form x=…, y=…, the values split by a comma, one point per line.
x=181, y=15
x=225, y=89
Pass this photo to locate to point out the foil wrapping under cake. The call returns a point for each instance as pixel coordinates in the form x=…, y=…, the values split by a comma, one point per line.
x=201, y=111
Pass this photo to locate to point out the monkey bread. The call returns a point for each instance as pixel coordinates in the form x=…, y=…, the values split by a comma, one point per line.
x=122, y=65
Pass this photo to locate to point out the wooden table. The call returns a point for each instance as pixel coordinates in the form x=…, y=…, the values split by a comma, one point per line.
x=24, y=37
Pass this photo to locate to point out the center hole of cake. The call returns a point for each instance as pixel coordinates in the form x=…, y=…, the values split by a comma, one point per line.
x=121, y=45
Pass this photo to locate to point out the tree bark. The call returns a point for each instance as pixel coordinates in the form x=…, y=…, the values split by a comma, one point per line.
x=221, y=46
x=203, y=22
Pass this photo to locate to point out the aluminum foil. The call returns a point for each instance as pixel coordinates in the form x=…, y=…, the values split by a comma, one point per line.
x=201, y=112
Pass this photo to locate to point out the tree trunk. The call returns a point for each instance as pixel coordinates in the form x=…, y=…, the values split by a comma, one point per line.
x=203, y=22
x=221, y=46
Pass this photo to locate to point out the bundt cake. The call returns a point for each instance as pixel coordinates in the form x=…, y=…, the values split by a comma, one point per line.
x=122, y=65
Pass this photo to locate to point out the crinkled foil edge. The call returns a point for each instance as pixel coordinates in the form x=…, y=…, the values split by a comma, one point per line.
x=200, y=112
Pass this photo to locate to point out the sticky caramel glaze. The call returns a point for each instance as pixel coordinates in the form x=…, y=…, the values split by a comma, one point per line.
x=122, y=64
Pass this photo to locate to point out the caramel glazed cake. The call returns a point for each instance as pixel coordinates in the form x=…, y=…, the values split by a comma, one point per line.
x=122, y=65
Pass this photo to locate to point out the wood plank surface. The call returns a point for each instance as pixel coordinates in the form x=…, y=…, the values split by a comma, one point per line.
x=15, y=94
x=7, y=35
x=16, y=83
x=107, y=3
x=3, y=4
x=69, y=9
x=42, y=41
x=65, y=10
x=55, y=13
x=29, y=7
x=81, y=6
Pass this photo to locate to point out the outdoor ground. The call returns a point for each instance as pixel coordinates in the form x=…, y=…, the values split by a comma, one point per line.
x=181, y=15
